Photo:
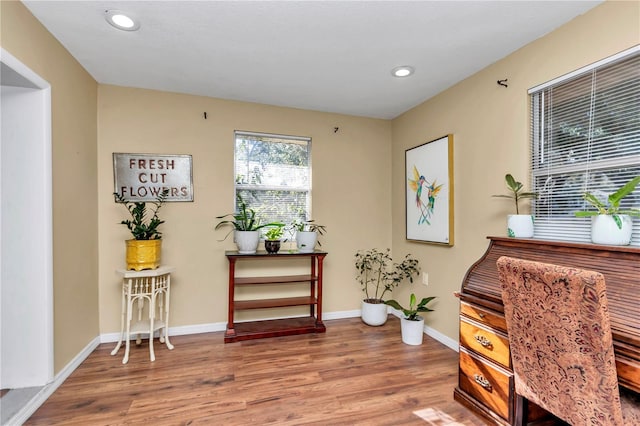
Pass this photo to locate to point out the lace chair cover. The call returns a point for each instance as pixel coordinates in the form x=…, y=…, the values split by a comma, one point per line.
x=560, y=341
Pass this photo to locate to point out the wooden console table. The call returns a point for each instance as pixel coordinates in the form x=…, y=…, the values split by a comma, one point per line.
x=276, y=327
x=485, y=382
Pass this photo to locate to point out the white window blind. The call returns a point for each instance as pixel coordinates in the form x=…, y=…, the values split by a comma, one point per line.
x=273, y=175
x=585, y=133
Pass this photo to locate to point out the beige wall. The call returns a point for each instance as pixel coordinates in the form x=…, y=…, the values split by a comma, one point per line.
x=351, y=192
x=490, y=126
x=75, y=231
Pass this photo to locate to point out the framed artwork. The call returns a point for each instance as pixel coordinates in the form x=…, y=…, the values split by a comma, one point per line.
x=429, y=192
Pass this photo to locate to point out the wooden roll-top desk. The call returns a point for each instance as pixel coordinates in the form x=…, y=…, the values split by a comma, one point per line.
x=486, y=379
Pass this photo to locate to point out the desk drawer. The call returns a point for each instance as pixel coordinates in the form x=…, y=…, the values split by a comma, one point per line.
x=486, y=383
x=628, y=372
x=484, y=316
x=492, y=344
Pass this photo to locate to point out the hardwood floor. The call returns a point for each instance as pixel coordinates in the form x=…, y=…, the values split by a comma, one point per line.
x=353, y=374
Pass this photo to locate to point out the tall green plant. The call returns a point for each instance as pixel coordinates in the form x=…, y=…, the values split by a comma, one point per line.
x=245, y=219
x=517, y=193
x=612, y=206
x=141, y=226
x=378, y=274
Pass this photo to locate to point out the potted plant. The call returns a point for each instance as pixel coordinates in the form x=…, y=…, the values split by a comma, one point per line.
x=144, y=250
x=518, y=225
x=245, y=225
x=412, y=324
x=307, y=235
x=272, y=239
x=378, y=274
x=611, y=224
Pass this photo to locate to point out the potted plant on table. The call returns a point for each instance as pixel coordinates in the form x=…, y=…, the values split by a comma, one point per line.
x=246, y=226
x=144, y=250
x=518, y=225
x=272, y=239
x=412, y=324
x=611, y=224
x=378, y=274
x=307, y=235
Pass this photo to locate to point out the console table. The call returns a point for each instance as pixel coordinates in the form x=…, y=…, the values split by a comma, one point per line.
x=276, y=327
x=485, y=382
x=152, y=286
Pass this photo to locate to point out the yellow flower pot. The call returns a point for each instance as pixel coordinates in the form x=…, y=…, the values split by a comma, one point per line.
x=143, y=254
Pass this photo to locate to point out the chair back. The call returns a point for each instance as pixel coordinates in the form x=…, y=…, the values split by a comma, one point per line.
x=560, y=340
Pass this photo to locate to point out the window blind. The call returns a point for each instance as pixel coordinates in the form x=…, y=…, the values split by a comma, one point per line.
x=585, y=136
x=273, y=175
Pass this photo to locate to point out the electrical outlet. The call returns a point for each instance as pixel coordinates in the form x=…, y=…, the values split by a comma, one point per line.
x=425, y=278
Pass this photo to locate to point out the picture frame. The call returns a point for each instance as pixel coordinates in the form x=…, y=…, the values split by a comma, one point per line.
x=429, y=192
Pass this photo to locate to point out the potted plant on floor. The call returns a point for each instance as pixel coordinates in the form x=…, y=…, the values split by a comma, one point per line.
x=378, y=274
x=412, y=324
x=272, y=239
x=518, y=225
x=246, y=226
x=307, y=235
x=144, y=250
x=611, y=224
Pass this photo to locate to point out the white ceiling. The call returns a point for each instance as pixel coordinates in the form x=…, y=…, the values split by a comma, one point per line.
x=333, y=56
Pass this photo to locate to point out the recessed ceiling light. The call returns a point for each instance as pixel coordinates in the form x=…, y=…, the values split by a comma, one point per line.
x=121, y=20
x=402, y=71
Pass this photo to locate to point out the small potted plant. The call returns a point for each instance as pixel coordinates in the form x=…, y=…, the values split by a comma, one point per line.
x=307, y=235
x=272, y=239
x=378, y=274
x=611, y=224
x=246, y=226
x=144, y=250
x=412, y=324
x=518, y=225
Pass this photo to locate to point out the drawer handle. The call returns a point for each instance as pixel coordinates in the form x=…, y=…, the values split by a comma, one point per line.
x=481, y=315
x=482, y=381
x=483, y=341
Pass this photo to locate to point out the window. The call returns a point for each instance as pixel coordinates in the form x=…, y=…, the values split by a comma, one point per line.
x=273, y=175
x=585, y=137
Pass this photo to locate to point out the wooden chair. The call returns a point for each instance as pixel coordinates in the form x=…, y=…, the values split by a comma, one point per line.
x=561, y=344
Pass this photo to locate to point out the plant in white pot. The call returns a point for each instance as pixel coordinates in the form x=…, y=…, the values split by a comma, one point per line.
x=307, y=235
x=518, y=225
x=145, y=249
x=378, y=274
x=611, y=224
x=246, y=226
x=412, y=324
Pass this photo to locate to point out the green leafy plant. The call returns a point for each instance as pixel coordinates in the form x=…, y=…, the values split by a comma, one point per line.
x=414, y=308
x=141, y=226
x=517, y=193
x=307, y=226
x=274, y=233
x=245, y=219
x=378, y=274
x=612, y=206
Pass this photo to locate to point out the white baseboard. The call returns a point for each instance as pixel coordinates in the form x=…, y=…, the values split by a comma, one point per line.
x=47, y=390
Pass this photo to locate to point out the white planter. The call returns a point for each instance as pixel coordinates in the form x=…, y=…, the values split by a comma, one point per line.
x=520, y=225
x=605, y=230
x=373, y=313
x=247, y=241
x=412, y=331
x=306, y=241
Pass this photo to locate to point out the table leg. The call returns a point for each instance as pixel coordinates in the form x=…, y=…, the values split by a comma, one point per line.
x=166, y=313
x=124, y=312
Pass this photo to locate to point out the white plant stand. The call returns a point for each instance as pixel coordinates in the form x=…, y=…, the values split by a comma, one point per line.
x=154, y=287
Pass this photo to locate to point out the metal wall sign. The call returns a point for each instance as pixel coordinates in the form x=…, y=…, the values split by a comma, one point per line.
x=142, y=177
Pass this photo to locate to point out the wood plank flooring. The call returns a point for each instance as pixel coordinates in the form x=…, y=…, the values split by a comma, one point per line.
x=352, y=375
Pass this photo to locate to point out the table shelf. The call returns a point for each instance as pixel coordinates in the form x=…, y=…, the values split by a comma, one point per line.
x=237, y=331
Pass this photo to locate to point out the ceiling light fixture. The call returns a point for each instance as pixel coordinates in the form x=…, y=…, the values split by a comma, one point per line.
x=402, y=71
x=122, y=20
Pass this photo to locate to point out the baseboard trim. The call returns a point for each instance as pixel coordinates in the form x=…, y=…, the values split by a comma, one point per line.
x=47, y=390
